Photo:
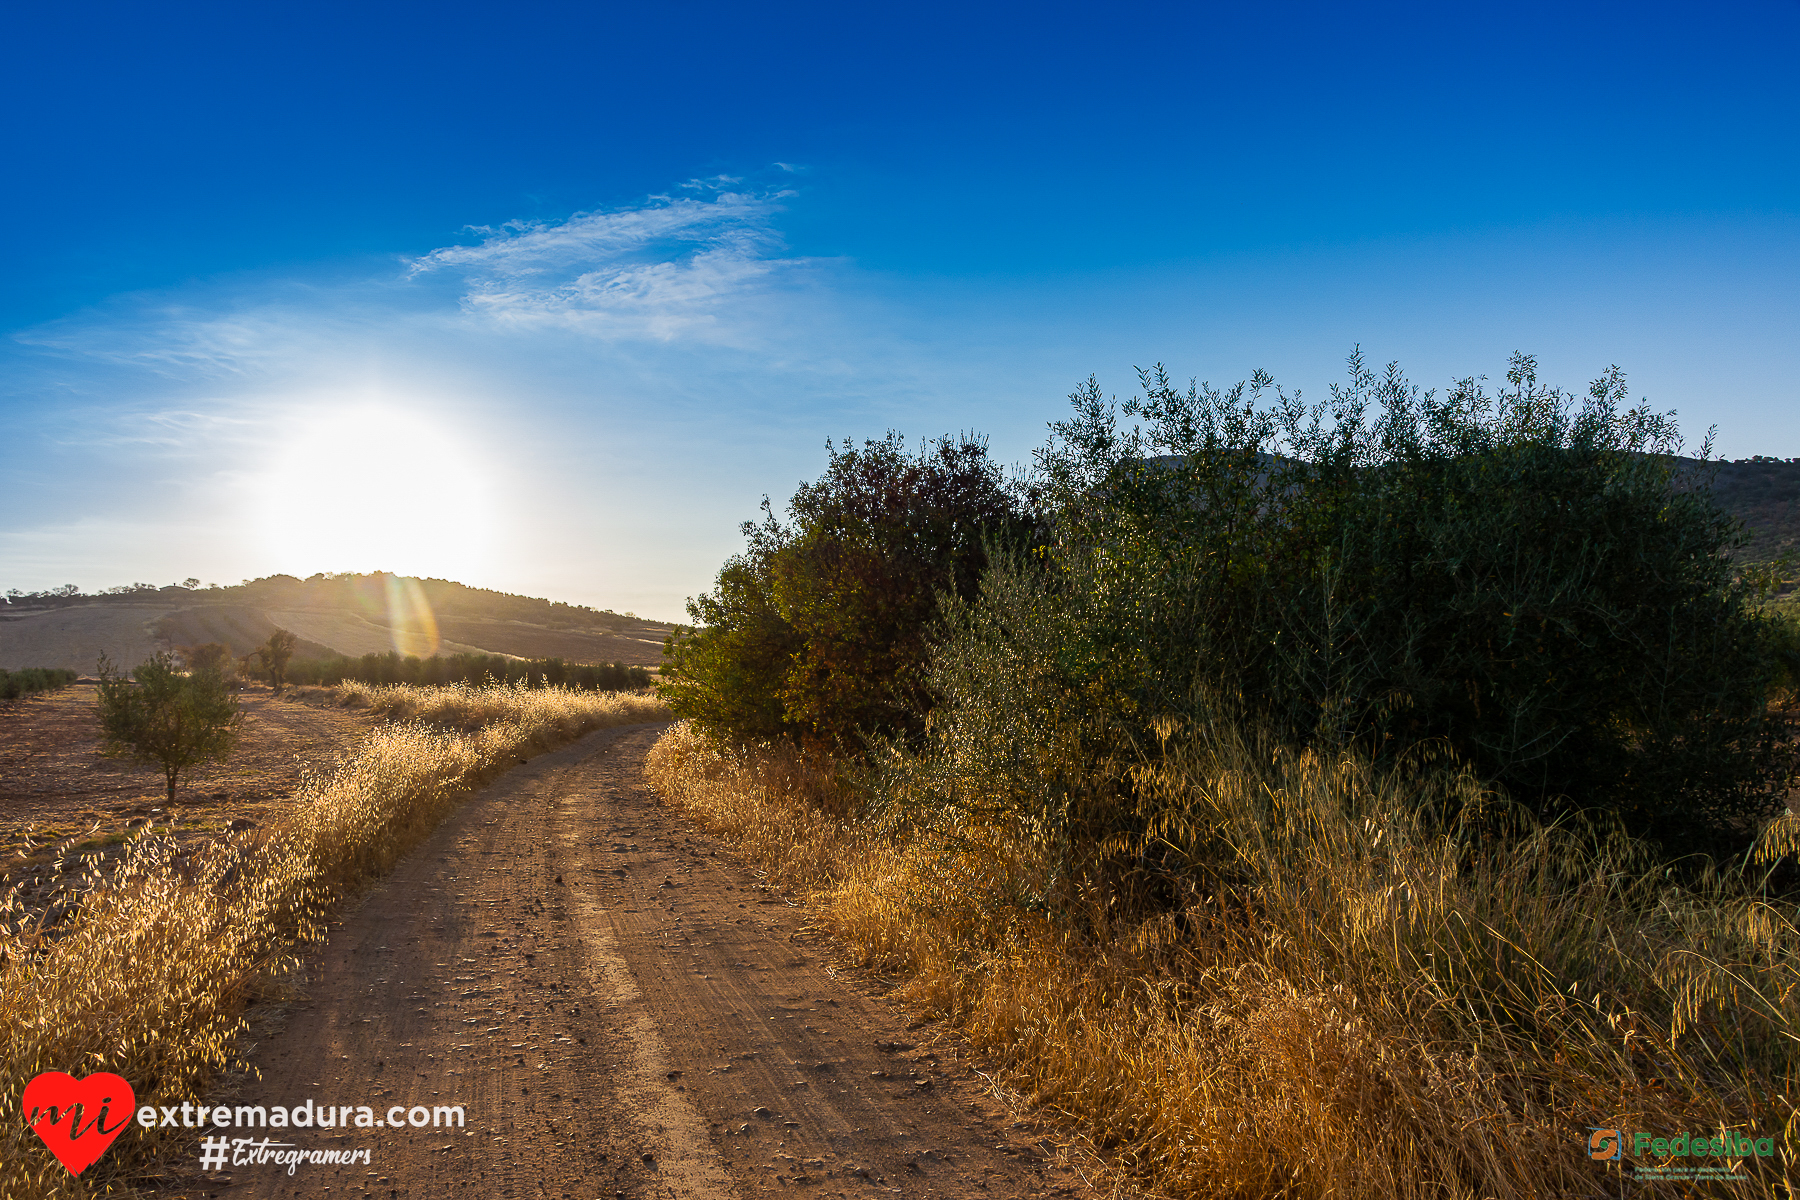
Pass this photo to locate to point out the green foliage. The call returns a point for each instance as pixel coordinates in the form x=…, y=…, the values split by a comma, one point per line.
x=1018, y=739
x=728, y=671
x=213, y=657
x=473, y=669
x=273, y=656
x=172, y=719
x=1784, y=626
x=1524, y=580
x=14, y=684
x=819, y=629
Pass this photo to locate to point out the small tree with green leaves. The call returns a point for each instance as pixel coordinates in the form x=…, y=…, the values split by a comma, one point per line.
x=165, y=717
x=274, y=655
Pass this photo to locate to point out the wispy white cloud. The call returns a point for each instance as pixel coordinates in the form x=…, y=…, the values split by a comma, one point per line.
x=664, y=269
x=234, y=336
x=698, y=265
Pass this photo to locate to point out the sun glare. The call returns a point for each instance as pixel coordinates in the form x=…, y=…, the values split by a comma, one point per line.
x=410, y=618
x=377, y=488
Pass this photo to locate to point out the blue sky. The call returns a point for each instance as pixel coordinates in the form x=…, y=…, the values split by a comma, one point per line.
x=546, y=297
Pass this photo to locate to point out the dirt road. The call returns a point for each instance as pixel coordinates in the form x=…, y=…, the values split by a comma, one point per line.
x=620, y=1010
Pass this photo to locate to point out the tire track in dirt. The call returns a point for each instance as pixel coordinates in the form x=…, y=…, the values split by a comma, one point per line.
x=622, y=1010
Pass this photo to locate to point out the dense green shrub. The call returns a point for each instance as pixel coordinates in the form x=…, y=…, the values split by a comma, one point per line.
x=23, y=682
x=819, y=629
x=468, y=668
x=1524, y=580
x=729, y=670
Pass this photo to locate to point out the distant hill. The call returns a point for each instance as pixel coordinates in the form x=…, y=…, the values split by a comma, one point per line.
x=1764, y=493
x=331, y=614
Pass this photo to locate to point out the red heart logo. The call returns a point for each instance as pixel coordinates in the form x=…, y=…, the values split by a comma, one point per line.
x=75, y=1116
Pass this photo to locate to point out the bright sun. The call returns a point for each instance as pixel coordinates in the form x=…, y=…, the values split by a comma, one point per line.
x=377, y=488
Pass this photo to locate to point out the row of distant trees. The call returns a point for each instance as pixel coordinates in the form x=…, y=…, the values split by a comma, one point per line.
x=274, y=662
x=14, y=684
x=70, y=593
x=471, y=669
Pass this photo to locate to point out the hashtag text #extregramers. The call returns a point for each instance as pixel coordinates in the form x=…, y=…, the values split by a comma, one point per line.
x=250, y=1152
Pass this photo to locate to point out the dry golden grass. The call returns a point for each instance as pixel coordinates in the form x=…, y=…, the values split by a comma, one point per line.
x=1354, y=1005
x=552, y=712
x=148, y=975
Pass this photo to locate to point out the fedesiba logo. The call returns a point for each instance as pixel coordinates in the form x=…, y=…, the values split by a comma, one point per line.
x=1684, y=1156
x=1606, y=1144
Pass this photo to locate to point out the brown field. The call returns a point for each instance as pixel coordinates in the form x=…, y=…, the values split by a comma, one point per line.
x=351, y=633
x=636, y=645
x=59, y=796
x=239, y=627
x=76, y=636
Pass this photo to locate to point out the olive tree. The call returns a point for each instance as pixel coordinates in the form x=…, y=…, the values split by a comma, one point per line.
x=162, y=716
x=274, y=655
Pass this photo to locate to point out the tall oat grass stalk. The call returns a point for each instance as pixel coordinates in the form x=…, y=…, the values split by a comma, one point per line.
x=148, y=976
x=1345, y=998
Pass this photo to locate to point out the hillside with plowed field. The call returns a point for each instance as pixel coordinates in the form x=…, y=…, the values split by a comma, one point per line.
x=344, y=615
x=1764, y=493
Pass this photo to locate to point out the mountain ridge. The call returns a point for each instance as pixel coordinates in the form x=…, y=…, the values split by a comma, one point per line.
x=347, y=614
